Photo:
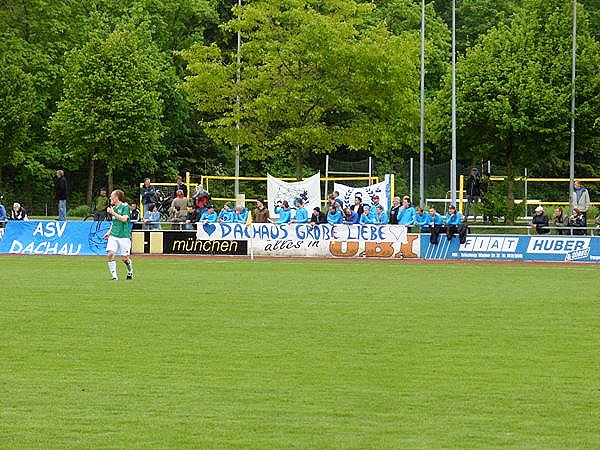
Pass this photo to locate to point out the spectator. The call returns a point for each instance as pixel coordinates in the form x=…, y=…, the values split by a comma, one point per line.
x=181, y=186
x=334, y=215
x=396, y=204
x=102, y=202
x=332, y=202
x=406, y=213
x=60, y=189
x=366, y=218
x=577, y=222
x=18, y=212
x=350, y=217
x=178, y=208
x=240, y=214
x=151, y=217
x=134, y=216
x=436, y=225
x=301, y=212
x=148, y=194
x=358, y=206
x=192, y=217
x=454, y=225
x=3, y=217
x=473, y=184
x=381, y=216
x=338, y=200
x=317, y=216
x=539, y=221
x=226, y=215
x=580, y=199
x=376, y=204
x=261, y=212
x=422, y=220
x=284, y=211
x=209, y=216
x=560, y=221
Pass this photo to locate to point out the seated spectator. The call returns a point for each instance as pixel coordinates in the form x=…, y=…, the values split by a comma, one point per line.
x=366, y=218
x=261, y=212
x=539, y=221
x=18, y=212
x=422, y=220
x=436, y=225
x=454, y=224
x=209, y=216
x=284, y=211
x=192, y=218
x=152, y=217
x=178, y=209
x=240, y=214
x=317, y=216
x=381, y=217
x=577, y=222
x=227, y=214
x=301, y=212
x=358, y=206
x=334, y=215
x=350, y=217
x=560, y=221
x=134, y=216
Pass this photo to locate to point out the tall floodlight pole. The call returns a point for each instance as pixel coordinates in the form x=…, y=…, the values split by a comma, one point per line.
x=573, y=69
x=237, y=123
x=422, y=131
x=453, y=160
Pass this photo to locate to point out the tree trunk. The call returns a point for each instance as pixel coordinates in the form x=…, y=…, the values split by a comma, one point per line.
x=90, y=187
x=0, y=176
x=110, y=180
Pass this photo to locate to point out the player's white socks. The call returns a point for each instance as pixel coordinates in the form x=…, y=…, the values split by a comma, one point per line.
x=112, y=267
x=129, y=265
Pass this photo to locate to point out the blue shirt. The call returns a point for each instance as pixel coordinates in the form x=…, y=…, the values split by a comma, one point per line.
x=353, y=219
x=437, y=219
x=301, y=215
x=334, y=218
x=422, y=220
x=208, y=217
x=406, y=216
x=367, y=219
x=381, y=219
x=226, y=215
x=2, y=213
x=453, y=220
x=284, y=215
x=241, y=217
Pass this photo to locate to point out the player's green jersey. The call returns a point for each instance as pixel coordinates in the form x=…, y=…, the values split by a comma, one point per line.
x=121, y=229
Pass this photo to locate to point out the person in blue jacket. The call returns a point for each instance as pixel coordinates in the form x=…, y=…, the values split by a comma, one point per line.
x=2, y=214
x=301, y=213
x=381, y=217
x=454, y=224
x=285, y=213
x=240, y=214
x=436, y=225
x=366, y=218
x=422, y=220
x=209, y=216
x=226, y=215
x=406, y=214
x=350, y=217
x=334, y=215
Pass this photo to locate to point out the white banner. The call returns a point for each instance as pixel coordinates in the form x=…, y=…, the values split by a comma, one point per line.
x=347, y=193
x=308, y=190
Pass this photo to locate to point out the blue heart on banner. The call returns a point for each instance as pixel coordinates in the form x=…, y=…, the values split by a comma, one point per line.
x=209, y=228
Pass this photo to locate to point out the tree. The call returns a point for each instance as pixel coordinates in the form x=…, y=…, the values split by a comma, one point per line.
x=314, y=78
x=111, y=109
x=513, y=92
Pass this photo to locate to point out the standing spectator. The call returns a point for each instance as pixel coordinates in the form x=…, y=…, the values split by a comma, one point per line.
x=334, y=215
x=301, y=212
x=358, y=206
x=381, y=216
x=148, y=194
x=376, y=204
x=396, y=204
x=350, y=217
x=473, y=184
x=18, y=212
x=577, y=222
x=540, y=221
x=102, y=203
x=560, y=221
x=119, y=234
x=366, y=218
x=317, y=216
x=261, y=212
x=152, y=217
x=181, y=186
x=406, y=214
x=338, y=200
x=580, y=199
x=60, y=189
x=285, y=213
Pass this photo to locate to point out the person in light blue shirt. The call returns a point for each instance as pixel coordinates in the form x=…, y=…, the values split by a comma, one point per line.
x=406, y=214
x=240, y=214
x=422, y=220
x=209, y=216
x=301, y=212
x=366, y=218
x=381, y=217
x=152, y=217
x=285, y=213
x=454, y=224
x=2, y=214
x=334, y=215
x=226, y=215
x=350, y=217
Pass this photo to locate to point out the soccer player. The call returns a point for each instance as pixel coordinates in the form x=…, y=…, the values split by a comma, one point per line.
x=119, y=234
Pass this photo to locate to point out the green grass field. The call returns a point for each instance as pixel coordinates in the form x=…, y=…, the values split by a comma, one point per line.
x=228, y=353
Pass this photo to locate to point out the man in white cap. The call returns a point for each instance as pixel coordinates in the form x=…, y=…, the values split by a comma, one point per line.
x=539, y=221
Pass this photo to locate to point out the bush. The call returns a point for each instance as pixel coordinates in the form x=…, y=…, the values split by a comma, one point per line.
x=79, y=211
x=495, y=204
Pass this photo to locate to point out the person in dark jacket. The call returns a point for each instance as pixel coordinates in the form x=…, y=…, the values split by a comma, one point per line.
x=473, y=185
x=560, y=221
x=60, y=189
x=540, y=221
x=317, y=217
x=148, y=194
x=396, y=204
x=577, y=222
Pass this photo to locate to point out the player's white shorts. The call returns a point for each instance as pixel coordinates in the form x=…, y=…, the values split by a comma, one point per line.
x=119, y=246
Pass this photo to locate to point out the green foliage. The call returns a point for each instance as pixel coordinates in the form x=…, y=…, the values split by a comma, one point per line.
x=496, y=206
x=79, y=211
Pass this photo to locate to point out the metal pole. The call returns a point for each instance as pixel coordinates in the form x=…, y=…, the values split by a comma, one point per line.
x=573, y=69
x=326, y=176
x=525, y=199
x=453, y=160
x=237, y=124
x=422, y=131
x=412, y=160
